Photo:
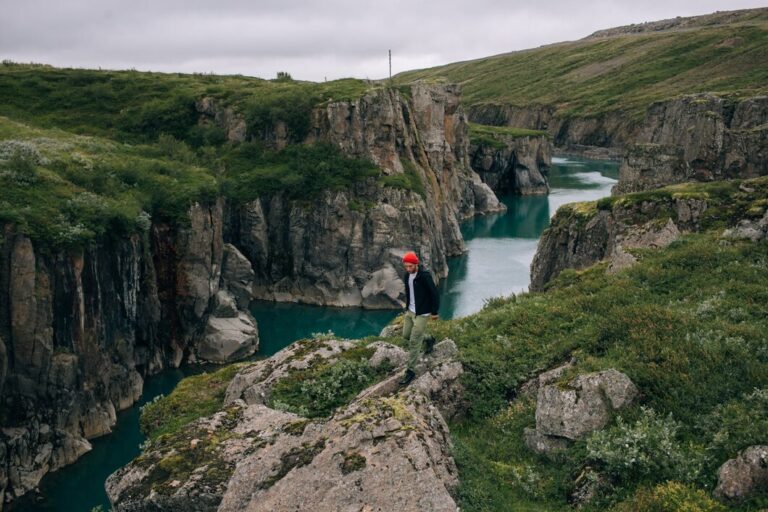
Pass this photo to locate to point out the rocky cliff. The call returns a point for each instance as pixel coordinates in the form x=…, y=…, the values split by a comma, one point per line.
x=515, y=165
x=389, y=448
x=82, y=328
x=573, y=134
x=612, y=229
x=344, y=248
x=697, y=138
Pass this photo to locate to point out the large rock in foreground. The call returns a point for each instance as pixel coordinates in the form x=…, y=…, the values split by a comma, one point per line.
x=389, y=449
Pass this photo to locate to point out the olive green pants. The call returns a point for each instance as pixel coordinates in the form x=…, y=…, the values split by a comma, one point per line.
x=414, y=328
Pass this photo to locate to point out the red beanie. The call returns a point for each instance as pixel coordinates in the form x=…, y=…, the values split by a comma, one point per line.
x=410, y=257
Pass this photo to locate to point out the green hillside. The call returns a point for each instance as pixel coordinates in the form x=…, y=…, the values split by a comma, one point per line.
x=87, y=153
x=137, y=106
x=624, y=71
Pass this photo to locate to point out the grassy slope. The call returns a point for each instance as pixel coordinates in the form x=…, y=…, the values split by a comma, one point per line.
x=136, y=107
x=624, y=73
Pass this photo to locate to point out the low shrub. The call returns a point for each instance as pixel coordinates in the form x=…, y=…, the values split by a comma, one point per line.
x=670, y=497
x=648, y=450
x=318, y=391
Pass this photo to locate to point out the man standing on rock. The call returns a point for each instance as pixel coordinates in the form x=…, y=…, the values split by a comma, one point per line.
x=422, y=302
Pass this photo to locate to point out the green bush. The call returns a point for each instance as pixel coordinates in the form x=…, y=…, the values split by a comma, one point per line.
x=22, y=168
x=318, y=390
x=195, y=397
x=736, y=425
x=670, y=497
x=408, y=180
x=648, y=450
x=173, y=115
x=291, y=105
x=298, y=171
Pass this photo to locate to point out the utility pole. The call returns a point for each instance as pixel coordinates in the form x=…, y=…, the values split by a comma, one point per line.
x=390, y=65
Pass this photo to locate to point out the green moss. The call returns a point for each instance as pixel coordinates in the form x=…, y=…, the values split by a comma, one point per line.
x=352, y=462
x=670, y=497
x=295, y=458
x=172, y=457
x=296, y=428
x=195, y=397
x=408, y=180
x=324, y=386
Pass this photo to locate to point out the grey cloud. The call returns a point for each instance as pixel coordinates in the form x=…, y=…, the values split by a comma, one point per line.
x=312, y=40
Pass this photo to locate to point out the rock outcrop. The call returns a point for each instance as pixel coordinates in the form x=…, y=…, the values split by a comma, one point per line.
x=571, y=412
x=515, y=165
x=389, y=449
x=697, y=138
x=581, y=234
x=230, y=122
x=568, y=133
x=744, y=476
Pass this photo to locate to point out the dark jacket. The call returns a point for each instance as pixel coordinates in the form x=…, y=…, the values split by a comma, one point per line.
x=427, y=297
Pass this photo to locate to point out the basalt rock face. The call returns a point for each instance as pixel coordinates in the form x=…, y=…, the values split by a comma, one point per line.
x=569, y=133
x=697, y=138
x=581, y=235
x=519, y=165
x=80, y=329
x=344, y=247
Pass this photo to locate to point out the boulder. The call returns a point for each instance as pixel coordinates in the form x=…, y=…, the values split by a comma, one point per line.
x=228, y=339
x=391, y=330
x=383, y=289
x=749, y=229
x=224, y=305
x=438, y=377
x=387, y=353
x=544, y=444
x=647, y=236
x=584, y=405
x=743, y=477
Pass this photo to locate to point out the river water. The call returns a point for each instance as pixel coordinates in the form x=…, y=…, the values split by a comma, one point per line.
x=500, y=251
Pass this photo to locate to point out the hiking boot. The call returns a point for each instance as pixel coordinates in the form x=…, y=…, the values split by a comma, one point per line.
x=429, y=344
x=408, y=376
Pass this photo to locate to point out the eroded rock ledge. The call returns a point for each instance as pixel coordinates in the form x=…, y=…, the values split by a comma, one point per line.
x=388, y=449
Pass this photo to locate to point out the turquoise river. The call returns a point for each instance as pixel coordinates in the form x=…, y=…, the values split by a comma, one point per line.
x=500, y=249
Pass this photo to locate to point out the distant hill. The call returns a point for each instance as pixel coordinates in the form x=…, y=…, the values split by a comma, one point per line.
x=622, y=69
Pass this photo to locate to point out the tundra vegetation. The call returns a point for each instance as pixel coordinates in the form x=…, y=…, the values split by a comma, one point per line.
x=620, y=72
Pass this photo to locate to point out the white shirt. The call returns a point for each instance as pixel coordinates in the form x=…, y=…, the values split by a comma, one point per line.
x=411, y=294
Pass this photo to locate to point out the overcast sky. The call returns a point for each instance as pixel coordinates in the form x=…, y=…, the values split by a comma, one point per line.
x=311, y=40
